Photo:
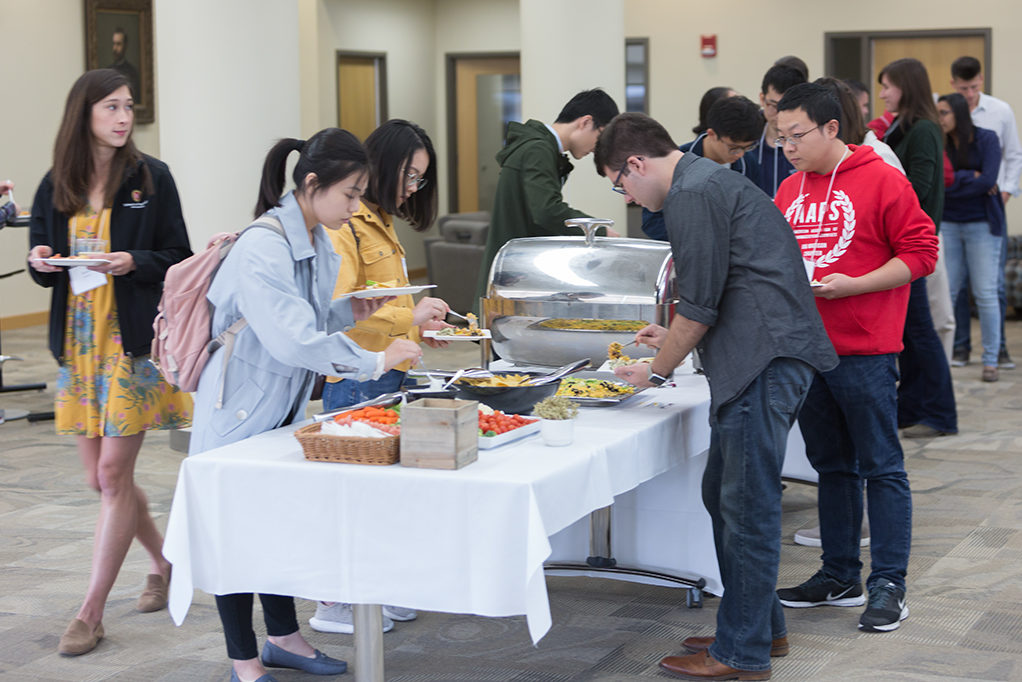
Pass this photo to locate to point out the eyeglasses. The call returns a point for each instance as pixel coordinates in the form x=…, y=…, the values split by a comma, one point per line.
x=795, y=138
x=735, y=149
x=617, y=187
x=414, y=181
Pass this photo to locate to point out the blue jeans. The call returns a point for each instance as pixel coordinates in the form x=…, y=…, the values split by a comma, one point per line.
x=742, y=493
x=962, y=312
x=348, y=392
x=973, y=253
x=925, y=394
x=851, y=433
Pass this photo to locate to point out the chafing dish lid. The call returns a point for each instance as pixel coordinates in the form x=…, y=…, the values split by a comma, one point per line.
x=612, y=270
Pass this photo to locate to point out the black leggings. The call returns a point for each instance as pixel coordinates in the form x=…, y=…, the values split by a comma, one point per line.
x=236, y=617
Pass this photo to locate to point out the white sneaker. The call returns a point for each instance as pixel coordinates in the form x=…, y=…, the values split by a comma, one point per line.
x=399, y=613
x=338, y=617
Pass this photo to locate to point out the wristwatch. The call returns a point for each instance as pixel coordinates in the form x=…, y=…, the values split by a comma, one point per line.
x=654, y=378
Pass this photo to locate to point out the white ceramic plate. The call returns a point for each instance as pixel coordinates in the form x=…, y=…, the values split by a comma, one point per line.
x=387, y=291
x=74, y=262
x=487, y=442
x=435, y=334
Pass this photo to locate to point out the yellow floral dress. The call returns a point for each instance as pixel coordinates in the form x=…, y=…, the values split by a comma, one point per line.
x=101, y=391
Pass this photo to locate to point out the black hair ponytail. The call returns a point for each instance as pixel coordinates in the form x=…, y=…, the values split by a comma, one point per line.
x=332, y=154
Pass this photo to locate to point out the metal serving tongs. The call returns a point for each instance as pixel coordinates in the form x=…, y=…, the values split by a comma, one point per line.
x=560, y=372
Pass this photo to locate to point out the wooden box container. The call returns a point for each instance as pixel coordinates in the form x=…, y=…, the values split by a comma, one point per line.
x=439, y=433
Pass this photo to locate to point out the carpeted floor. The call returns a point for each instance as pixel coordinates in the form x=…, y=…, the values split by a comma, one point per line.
x=964, y=592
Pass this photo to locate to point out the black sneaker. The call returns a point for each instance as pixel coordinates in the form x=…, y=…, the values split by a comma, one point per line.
x=1004, y=360
x=886, y=609
x=959, y=357
x=822, y=590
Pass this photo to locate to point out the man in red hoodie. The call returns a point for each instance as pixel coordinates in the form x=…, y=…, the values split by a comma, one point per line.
x=863, y=238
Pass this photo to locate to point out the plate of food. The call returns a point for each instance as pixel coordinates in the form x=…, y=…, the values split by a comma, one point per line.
x=457, y=334
x=616, y=358
x=470, y=333
x=596, y=392
x=373, y=289
x=74, y=261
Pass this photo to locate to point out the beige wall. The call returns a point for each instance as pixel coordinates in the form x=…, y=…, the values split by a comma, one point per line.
x=253, y=71
x=405, y=31
x=751, y=35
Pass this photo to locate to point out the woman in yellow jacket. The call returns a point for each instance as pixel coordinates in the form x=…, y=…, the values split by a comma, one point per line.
x=402, y=182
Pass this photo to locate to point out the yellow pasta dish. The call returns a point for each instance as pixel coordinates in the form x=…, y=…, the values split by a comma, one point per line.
x=499, y=380
x=589, y=324
x=593, y=388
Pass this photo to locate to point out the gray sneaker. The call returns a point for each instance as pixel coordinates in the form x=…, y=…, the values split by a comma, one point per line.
x=959, y=357
x=1004, y=360
x=399, y=613
x=340, y=618
x=810, y=537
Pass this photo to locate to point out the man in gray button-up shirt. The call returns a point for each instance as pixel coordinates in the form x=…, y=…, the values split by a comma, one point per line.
x=745, y=302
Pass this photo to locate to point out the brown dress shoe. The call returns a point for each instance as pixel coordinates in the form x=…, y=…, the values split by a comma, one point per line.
x=154, y=596
x=778, y=647
x=703, y=666
x=80, y=638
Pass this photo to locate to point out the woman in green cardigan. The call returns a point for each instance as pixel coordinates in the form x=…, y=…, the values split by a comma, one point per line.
x=926, y=401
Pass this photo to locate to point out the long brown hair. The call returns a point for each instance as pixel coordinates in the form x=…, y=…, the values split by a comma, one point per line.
x=853, y=127
x=73, y=165
x=916, y=103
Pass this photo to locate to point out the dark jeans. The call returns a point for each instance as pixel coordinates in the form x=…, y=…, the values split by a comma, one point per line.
x=236, y=617
x=925, y=394
x=348, y=392
x=962, y=312
x=742, y=493
x=848, y=424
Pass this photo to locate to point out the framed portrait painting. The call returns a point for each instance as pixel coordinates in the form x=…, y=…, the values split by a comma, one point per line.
x=119, y=35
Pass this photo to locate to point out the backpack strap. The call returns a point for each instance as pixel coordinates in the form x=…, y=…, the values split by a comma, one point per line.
x=227, y=337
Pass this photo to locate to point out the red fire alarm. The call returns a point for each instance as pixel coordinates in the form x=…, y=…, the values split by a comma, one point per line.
x=708, y=46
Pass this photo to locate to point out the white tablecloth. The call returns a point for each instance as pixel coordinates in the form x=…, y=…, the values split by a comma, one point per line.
x=255, y=516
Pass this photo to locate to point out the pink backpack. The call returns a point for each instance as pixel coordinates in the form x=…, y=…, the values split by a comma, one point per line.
x=181, y=331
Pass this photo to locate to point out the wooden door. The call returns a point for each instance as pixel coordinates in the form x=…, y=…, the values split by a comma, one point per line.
x=476, y=169
x=360, y=93
x=936, y=54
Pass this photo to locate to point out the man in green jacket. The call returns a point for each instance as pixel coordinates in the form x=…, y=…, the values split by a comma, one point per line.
x=533, y=168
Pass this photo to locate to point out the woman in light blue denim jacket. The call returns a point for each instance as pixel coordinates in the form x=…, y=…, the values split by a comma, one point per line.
x=282, y=285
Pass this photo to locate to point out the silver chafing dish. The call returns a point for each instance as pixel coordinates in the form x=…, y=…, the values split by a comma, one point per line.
x=538, y=279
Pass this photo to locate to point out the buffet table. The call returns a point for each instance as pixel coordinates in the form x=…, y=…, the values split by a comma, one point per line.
x=255, y=516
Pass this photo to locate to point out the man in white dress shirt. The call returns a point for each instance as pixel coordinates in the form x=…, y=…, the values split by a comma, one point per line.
x=993, y=114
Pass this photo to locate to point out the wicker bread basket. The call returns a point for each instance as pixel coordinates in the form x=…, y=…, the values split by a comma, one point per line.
x=326, y=448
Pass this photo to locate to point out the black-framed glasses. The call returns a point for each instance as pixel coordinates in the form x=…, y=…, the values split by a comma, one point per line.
x=617, y=181
x=414, y=181
x=795, y=138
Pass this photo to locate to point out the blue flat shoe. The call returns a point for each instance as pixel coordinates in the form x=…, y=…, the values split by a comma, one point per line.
x=264, y=678
x=275, y=657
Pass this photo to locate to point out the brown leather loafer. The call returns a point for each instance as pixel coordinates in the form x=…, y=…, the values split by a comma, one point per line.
x=80, y=638
x=154, y=596
x=779, y=647
x=703, y=666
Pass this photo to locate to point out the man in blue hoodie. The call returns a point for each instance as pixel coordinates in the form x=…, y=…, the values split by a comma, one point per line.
x=733, y=127
x=773, y=166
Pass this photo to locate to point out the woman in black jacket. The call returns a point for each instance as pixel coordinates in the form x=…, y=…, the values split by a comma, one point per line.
x=101, y=188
